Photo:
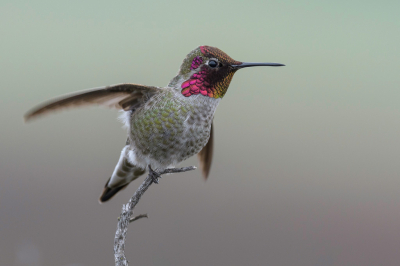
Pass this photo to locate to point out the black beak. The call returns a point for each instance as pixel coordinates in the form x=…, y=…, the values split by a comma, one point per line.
x=244, y=64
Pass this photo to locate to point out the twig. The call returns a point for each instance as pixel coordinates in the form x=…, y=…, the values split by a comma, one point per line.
x=138, y=217
x=127, y=212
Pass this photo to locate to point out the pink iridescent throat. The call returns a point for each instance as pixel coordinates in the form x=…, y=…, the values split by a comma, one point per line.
x=196, y=84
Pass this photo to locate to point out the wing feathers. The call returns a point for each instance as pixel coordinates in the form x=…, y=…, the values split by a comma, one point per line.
x=206, y=154
x=131, y=102
x=121, y=96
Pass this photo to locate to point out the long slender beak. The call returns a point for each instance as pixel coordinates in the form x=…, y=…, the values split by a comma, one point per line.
x=244, y=64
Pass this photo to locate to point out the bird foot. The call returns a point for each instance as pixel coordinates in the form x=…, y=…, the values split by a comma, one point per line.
x=154, y=175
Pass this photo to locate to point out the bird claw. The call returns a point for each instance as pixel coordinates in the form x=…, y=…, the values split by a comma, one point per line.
x=154, y=175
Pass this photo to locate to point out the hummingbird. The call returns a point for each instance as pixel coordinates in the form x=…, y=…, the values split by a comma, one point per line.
x=165, y=125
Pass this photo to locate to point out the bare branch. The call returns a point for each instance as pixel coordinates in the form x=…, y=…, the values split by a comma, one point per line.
x=127, y=212
x=177, y=170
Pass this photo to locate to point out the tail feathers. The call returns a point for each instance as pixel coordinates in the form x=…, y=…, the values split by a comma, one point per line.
x=108, y=193
x=124, y=173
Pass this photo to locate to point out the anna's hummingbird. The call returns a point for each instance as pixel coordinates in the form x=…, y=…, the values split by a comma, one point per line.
x=165, y=125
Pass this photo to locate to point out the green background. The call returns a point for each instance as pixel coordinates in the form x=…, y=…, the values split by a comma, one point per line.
x=306, y=166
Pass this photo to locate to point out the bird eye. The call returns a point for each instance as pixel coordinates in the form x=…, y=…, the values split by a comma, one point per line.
x=213, y=63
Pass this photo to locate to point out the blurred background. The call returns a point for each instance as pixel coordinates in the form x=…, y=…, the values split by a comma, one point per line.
x=306, y=168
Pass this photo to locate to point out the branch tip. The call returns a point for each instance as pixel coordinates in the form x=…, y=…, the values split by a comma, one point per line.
x=138, y=217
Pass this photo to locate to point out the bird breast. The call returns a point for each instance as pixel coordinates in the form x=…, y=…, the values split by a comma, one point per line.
x=170, y=128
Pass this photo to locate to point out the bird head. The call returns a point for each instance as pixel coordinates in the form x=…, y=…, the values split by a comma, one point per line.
x=208, y=71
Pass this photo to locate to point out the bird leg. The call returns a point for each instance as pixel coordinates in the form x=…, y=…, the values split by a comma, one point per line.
x=154, y=175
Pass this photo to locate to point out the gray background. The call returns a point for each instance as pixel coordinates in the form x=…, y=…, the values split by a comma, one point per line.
x=306, y=166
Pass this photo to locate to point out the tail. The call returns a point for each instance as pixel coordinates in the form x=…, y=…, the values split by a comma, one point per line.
x=124, y=173
x=108, y=193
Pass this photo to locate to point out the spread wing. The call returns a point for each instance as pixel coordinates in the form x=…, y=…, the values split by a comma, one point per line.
x=205, y=155
x=120, y=96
